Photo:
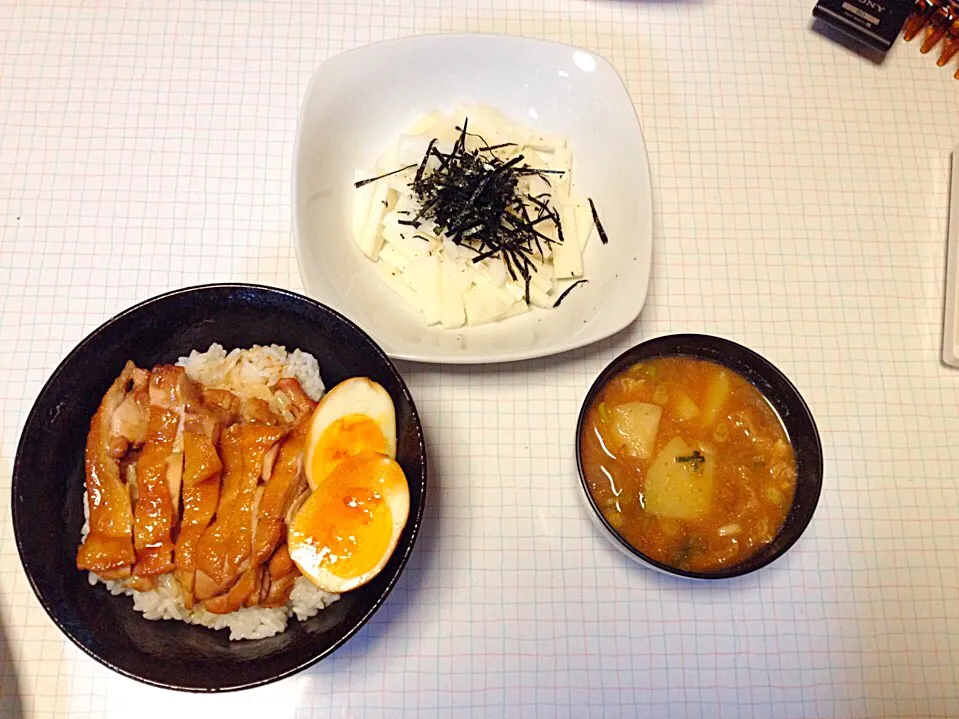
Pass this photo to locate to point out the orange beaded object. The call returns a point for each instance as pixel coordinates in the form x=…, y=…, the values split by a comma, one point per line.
x=920, y=16
x=940, y=18
x=951, y=45
x=938, y=25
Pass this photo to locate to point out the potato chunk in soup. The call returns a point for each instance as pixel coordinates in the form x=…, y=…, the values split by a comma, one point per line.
x=635, y=425
x=679, y=483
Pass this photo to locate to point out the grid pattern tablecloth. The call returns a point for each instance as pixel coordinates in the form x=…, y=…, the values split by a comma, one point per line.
x=800, y=208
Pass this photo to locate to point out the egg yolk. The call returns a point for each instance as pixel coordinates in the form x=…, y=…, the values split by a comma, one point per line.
x=346, y=528
x=348, y=436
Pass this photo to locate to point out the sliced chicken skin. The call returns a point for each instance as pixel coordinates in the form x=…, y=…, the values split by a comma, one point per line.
x=281, y=563
x=243, y=512
x=202, y=461
x=233, y=409
x=199, y=416
x=284, y=485
x=285, y=481
x=256, y=410
x=222, y=401
x=109, y=545
x=171, y=390
x=200, y=492
x=226, y=545
x=283, y=472
x=283, y=475
x=114, y=574
x=279, y=591
x=129, y=423
x=302, y=403
x=175, y=404
x=212, y=577
x=154, y=516
x=205, y=587
x=140, y=584
x=282, y=573
x=246, y=587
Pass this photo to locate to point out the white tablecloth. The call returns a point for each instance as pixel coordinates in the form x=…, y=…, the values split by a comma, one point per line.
x=800, y=197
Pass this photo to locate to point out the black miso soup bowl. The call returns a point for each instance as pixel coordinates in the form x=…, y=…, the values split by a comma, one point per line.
x=48, y=480
x=781, y=394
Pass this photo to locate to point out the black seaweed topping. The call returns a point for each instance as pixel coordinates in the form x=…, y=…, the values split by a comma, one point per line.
x=473, y=197
x=360, y=184
x=599, y=225
x=568, y=290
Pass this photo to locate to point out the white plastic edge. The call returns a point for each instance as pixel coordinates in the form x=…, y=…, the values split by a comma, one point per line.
x=950, y=333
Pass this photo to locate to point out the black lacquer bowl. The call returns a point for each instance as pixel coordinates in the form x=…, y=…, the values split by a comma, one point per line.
x=781, y=394
x=48, y=480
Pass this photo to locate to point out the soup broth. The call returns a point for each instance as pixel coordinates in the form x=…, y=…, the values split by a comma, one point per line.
x=688, y=462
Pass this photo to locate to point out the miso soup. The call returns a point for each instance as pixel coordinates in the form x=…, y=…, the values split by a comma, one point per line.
x=688, y=462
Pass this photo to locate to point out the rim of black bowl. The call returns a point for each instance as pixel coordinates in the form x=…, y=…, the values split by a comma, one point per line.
x=414, y=521
x=788, y=403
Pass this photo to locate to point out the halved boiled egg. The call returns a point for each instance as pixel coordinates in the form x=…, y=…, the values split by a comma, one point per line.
x=346, y=531
x=355, y=417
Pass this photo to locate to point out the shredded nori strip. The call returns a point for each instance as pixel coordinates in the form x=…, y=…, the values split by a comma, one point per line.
x=569, y=289
x=426, y=157
x=360, y=184
x=599, y=225
x=696, y=459
x=490, y=148
x=486, y=147
x=473, y=198
x=559, y=227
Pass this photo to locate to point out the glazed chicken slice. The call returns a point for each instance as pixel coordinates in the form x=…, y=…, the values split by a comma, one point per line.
x=270, y=504
x=211, y=577
x=128, y=427
x=233, y=408
x=158, y=473
x=267, y=585
x=172, y=391
x=256, y=410
x=200, y=492
x=108, y=548
x=285, y=484
x=301, y=403
x=176, y=408
x=239, y=595
x=279, y=579
x=198, y=417
x=224, y=550
x=243, y=514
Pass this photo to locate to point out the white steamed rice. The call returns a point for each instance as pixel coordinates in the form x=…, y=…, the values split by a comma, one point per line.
x=248, y=373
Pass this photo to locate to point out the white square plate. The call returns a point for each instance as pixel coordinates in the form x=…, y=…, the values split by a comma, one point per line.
x=359, y=102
